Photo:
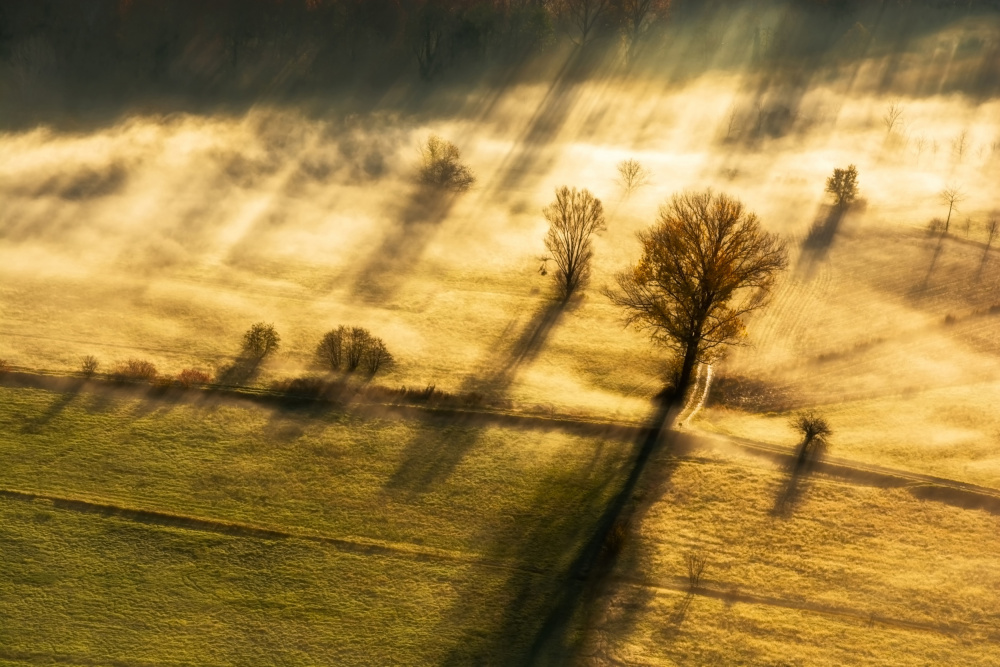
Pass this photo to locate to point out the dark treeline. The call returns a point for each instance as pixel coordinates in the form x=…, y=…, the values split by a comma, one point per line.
x=104, y=49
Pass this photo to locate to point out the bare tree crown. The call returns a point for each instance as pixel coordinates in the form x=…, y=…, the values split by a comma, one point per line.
x=706, y=263
x=574, y=217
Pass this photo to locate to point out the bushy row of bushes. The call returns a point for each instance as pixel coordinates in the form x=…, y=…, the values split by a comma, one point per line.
x=350, y=348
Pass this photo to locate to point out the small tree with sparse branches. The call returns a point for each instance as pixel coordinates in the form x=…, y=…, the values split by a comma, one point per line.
x=951, y=196
x=632, y=175
x=843, y=185
x=441, y=166
x=260, y=340
x=892, y=115
x=573, y=217
x=815, y=430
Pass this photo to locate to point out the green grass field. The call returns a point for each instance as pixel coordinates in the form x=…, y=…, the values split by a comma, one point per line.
x=443, y=529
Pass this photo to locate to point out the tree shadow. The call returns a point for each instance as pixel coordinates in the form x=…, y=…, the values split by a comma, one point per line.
x=61, y=401
x=562, y=633
x=416, y=223
x=807, y=459
x=820, y=238
x=424, y=466
x=241, y=371
x=925, y=283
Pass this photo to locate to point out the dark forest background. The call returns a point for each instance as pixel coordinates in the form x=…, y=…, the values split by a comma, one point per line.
x=59, y=56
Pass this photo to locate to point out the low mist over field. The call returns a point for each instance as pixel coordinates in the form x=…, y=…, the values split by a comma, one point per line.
x=171, y=174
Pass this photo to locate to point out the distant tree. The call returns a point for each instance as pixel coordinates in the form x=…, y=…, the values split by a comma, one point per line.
x=260, y=340
x=89, y=365
x=951, y=196
x=573, y=217
x=814, y=430
x=843, y=185
x=705, y=264
x=992, y=229
x=892, y=115
x=377, y=356
x=330, y=350
x=636, y=17
x=442, y=167
x=632, y=175
x=356, y=345
x=960, y=145
x=584, y=16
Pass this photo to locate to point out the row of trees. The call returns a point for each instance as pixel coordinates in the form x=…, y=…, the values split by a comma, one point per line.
x=316, y=41
x=705, y=264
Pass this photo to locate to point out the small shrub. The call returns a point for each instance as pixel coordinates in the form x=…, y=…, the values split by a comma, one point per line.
x=192, y=376
x=695, y=567
x=5, y=366
x=133, y=370
x=89, y=365
x=935, y=226
x=949, y=319
x=163, y=381
x=303, y=387
x=995, y=309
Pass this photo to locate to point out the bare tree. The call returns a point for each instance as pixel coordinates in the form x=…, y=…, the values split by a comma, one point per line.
x=706, y=263
x=378, y=356
x=960, y=145
x=733, y=117
x=330, y=351
x=573, y=217
x=951, y=196
x=843, y=185
x=260, y=340
x=920, y=143
x=632, y=175
x=637, y=16
x=356, y=347
x=696, y=566
x=584, y=16
x=441, y=166
x=892, y=115
x=89, y=365
x=992, y=229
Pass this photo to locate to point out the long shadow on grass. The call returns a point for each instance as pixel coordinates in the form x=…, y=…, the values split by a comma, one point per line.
x=416, y=224
x=820, y=239
x=426, y=464
x=545, y=617
x=55, y=408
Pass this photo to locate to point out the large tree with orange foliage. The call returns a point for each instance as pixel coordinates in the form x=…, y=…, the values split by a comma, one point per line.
x=706, y=263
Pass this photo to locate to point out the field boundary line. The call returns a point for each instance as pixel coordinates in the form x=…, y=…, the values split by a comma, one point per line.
x=924, y=486
x=736, y=595
x=238, y=529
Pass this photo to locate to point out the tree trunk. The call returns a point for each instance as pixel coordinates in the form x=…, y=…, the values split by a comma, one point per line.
x=687, y=370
